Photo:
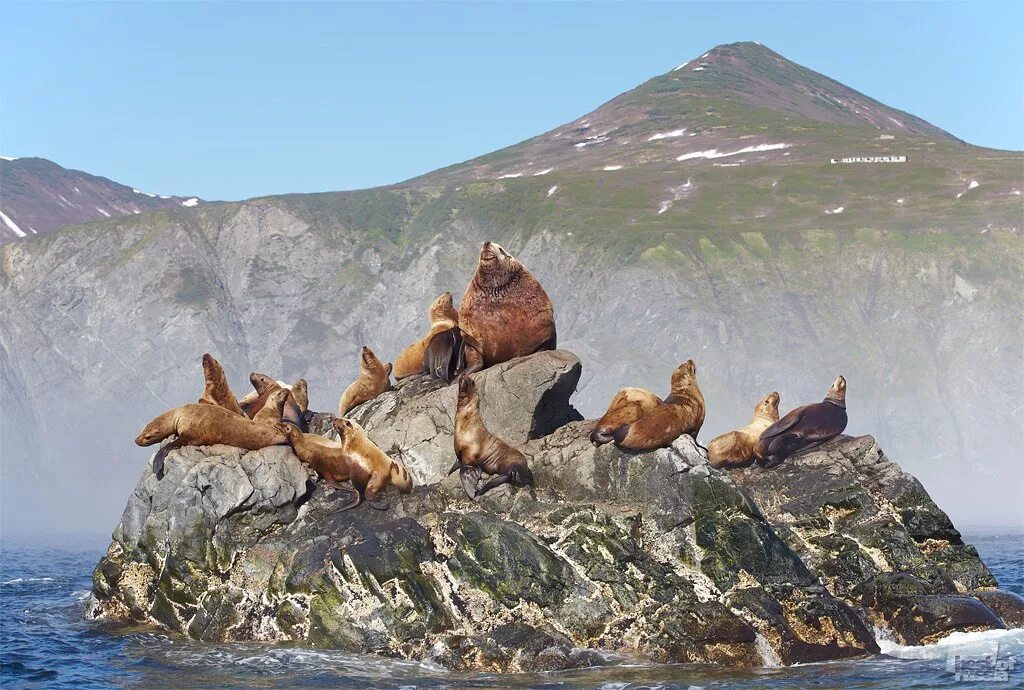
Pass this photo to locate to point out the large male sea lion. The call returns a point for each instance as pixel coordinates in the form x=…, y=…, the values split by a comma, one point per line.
x=216, y=390
x=628, y=405
x=374, y=379
x=682, y=412
x=805, y=427
x=505, y=312
x=370, y=468
x=198, y=424
x=478, y=450
x=736, y=448
x=443, y=317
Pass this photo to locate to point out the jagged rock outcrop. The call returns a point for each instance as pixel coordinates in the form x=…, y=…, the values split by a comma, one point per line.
x=655, y=554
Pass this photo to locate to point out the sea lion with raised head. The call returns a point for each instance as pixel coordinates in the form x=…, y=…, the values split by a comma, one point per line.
x=479, y=451
x=736, y=448
x=628, y=405
x=293, y=412
x=263, y=386
x=374, y=379
x=443, y=318
x=273, y=410
x=682, y=412
x=198, y=424
x=216, y=390
x=326, y=456
x=805, y=427
x=370, y=468
x=505, y=313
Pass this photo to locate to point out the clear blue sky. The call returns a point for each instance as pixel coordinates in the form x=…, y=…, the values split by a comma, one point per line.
x=236, y=100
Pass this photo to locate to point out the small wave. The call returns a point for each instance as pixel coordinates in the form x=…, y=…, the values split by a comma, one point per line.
x=25, y=580
x=982, y=642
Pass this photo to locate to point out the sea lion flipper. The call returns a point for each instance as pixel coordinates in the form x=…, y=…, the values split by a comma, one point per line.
x=353, y=502
x=161, y=455
x=455, y=466
x=470, y=478
x=492, y=483
x=783, y=424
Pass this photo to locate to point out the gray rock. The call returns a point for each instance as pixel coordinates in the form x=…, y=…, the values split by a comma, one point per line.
x=655, y=554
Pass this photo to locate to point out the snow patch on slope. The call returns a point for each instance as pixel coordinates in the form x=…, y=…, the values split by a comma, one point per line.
x=715, y=153
x=10, y=224
x=668, y=135
x=190, y=202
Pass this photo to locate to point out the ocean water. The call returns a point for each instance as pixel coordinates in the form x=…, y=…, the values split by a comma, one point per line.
x=46, y=643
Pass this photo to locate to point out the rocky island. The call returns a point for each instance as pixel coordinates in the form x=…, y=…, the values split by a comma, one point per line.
x=656, y=554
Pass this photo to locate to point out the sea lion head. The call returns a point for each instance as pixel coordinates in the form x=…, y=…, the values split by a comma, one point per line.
x=211, y=367
x=371, y=364
x=151, y=433
x=348, y=429
x=838, y=390
x=685, y=376
x=276, y=400
x=467, y=390
x=769, y=407
x=441, y=309
x=293, y=433
x=497, y=267
x=300, y=389
x=261, y=382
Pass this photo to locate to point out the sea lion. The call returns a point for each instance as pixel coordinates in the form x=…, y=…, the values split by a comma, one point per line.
x=369, y=468
x=265, y=386
x=736, y=448
x=478, y=450
x=505, y=312
x=443, y=317
x=445, y=356
x=198, y=424
x=628, y=405
x=326, y=456
x=217, y=391
x=682, y=412
x=273, y=411
x=374, y=379
x=805, y=427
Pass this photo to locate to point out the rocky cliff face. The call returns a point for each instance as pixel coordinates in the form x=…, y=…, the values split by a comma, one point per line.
x=657, y=554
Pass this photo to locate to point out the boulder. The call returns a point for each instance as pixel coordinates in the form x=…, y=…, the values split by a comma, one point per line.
x=655, y=555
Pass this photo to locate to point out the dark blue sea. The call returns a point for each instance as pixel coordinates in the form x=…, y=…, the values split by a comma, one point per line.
x=45, y=643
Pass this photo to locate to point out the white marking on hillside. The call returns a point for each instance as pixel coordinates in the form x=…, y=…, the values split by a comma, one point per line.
x=68, y=203
x=543, y=172
x=705, y=55
x=898, y=123
x=553, y=190
x=612, y=167
x=697, y=69
x=836, y=211
x=136, y=211
x=973, y=185
x=681, y=66
x=668, y=135
x=9, y=158
x=899, y=201
x=500, y=177
x=139, y=191
x=190, y=202
x=715, y=153
x=727, y=165
x=32, y=229
x=1015, y=192
x=76, y=190
x=164, y=196
x=103, y=212
x=10, y=224
x=680, y=192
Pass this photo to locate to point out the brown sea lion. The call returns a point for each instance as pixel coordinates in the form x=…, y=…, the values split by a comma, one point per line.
x=374, y=379
x=803, y=428
x=443, y=317
x=478, y=450
x=736, y=448
x=505, y=312
x=217, y=391
x=445, y=356
x=682, y=412
x=628, y=405
x=273, y=411
x=205, y=425
x=369, y=468
x=326, y=456
x=265, y=386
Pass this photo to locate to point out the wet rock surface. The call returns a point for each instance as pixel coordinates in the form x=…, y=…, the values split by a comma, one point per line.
x=655, y=555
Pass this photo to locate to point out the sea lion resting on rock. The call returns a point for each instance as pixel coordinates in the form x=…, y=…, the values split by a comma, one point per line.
x=443, y=317
x=217, y=391
x=805, y=427
x=682, y=412
x=374, y=379
x=478, y=450
x=293, y=412
x=628, y=405
x=505, y=312
x=736, y=448
x=326, y=456
x=369, y=468
x=206, y=425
